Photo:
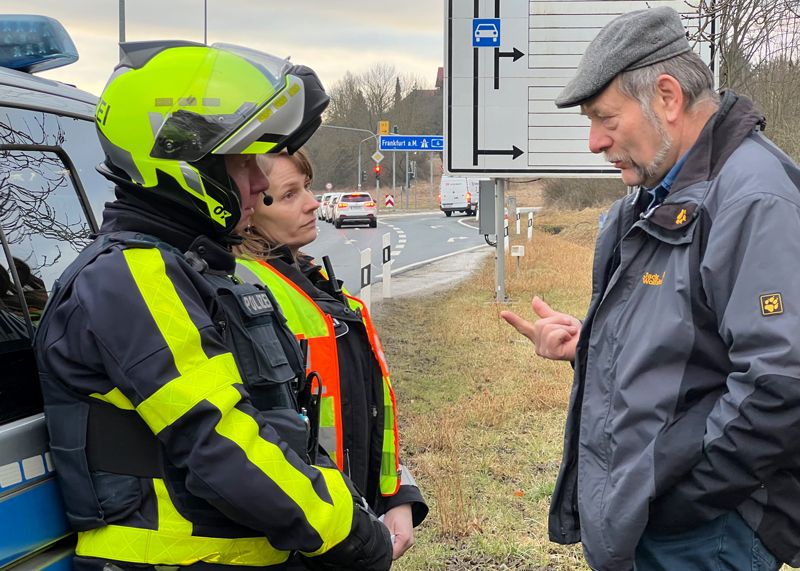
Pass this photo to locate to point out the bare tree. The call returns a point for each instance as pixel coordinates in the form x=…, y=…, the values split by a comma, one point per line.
x=757, y=42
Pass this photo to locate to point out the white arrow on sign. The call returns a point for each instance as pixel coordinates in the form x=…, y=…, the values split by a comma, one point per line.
x=377, y=156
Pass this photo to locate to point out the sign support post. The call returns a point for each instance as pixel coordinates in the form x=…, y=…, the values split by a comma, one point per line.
x=499, y=220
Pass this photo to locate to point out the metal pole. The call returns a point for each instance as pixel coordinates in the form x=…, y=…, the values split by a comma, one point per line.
x=430, y=160
x=408, y=190
x=121, y=26
x=205, y=22
x=499, y=220
x=359, y=166
x=394, y=171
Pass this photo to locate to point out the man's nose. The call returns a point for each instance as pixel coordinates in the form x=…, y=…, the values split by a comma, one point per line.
x=259, y=181
x=599, y=141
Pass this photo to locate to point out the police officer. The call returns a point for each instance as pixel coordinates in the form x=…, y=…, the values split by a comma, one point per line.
x=170, y=386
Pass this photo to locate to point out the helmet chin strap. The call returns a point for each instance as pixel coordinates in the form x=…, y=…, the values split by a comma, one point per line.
x=267, y=199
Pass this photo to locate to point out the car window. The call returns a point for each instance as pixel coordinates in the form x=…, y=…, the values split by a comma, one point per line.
x=356, y=198
x=76, y=142
x=43, y=227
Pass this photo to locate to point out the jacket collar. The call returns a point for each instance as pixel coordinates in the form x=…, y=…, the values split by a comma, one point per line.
x=127, y=214
x=734, y=121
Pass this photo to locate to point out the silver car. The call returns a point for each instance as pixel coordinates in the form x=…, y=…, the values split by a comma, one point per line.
x=355, y=207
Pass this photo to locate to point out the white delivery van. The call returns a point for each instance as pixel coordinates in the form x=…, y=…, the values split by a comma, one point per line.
x=458, y=194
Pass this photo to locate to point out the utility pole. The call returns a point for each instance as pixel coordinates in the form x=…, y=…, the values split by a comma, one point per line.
x=121, y=26
x=408, y=190
x=205, y=22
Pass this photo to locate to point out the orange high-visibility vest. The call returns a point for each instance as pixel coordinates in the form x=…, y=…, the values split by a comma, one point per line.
x=308, y=321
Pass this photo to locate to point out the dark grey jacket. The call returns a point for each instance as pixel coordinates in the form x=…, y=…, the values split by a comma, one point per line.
x=686, y=399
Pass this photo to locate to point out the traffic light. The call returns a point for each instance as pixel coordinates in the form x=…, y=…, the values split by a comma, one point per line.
x=363, y=176
x=377, y=169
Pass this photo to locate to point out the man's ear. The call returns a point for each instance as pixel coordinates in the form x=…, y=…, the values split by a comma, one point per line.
x=669, y=97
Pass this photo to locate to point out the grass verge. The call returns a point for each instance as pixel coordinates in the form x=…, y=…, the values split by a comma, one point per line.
x=481, y=417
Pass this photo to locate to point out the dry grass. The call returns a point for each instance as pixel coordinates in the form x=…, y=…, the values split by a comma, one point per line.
x=481, y=416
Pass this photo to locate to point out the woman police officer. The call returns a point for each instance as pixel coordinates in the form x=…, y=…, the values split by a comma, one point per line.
x=357, y=415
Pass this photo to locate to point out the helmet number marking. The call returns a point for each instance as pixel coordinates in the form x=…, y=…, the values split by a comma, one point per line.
x=101, y=114
x=221, y=212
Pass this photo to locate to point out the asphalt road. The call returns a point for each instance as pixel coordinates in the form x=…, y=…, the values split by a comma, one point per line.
x=416, y=239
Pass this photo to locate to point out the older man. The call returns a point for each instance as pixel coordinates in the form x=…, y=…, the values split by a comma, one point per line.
x=682, y=445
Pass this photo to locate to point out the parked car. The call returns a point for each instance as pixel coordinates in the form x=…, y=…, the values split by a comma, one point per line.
x=327, y=215
x=52, y=198
x=355, y=207
x=323, y=205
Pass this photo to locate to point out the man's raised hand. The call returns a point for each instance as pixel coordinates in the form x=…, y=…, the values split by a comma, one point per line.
x=554, y=334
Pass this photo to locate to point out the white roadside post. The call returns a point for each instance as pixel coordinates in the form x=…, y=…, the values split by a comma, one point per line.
x=366, y=277
x=505, y=234
x=387, y=265
x=530, y=226
x=517, y=227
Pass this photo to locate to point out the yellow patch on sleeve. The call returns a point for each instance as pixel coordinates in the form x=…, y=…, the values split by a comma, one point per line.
x=771, y=304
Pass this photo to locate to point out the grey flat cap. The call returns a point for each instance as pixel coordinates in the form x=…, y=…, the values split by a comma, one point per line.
x=633, y=40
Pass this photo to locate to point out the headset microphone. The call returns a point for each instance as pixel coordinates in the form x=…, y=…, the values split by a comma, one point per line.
x=267, y=200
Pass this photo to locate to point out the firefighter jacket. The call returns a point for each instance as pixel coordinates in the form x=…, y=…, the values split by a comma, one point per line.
x=169, y=400
x=687, y=374
x=358, y=412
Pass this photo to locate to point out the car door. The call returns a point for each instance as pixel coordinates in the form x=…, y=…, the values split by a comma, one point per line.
x=50, y=200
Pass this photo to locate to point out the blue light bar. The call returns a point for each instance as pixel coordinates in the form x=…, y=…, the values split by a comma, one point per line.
x=34, y=43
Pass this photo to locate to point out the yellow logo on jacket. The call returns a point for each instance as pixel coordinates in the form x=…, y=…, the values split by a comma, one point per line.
x=653, y=279
x=771, y=304
x=681, y=218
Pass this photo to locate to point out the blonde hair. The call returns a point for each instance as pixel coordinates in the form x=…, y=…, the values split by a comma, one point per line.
x=255, y=245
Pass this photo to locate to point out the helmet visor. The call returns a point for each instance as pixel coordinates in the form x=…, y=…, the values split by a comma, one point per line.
x=225, y=87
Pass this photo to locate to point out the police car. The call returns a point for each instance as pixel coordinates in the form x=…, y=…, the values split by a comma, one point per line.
x=51, y=198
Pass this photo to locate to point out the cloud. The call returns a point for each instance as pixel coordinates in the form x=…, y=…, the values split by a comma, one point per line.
x=331, y=36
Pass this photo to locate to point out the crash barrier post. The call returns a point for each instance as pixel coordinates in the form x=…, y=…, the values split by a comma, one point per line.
x=387, y=265
x=366, y=277
x=530, y=226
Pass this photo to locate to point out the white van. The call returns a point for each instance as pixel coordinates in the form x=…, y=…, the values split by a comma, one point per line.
x=458, y=194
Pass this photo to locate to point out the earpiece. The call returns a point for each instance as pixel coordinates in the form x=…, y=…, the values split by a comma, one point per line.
x=267, y=199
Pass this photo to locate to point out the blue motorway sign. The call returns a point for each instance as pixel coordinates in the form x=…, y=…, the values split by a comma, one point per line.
x=486, y=33
x=411, y=143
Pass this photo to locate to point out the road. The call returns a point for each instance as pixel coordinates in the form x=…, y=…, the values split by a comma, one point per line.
x=415, y=239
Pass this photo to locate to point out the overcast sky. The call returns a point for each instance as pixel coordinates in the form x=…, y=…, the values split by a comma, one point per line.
x=330, y=36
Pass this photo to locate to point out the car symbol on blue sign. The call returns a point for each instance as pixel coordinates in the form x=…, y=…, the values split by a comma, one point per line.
x=486, y=32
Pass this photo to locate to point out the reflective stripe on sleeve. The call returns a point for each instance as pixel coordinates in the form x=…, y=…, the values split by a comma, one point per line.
x=331, y=520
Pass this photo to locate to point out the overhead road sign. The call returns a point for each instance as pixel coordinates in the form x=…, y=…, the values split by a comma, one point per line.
x=500, y=117
x=411, y=143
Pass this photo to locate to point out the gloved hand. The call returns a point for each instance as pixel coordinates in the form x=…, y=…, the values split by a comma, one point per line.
x=367, y=548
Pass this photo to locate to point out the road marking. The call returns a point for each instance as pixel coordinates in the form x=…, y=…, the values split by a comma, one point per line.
x=454, y=238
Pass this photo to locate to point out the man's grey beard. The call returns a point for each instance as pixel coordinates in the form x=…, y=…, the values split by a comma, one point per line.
x=653, y=169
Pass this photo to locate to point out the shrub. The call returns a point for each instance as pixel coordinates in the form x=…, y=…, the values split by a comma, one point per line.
x=578, y=193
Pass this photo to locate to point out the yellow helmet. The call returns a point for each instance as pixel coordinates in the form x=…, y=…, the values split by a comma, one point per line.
x=171, y=110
